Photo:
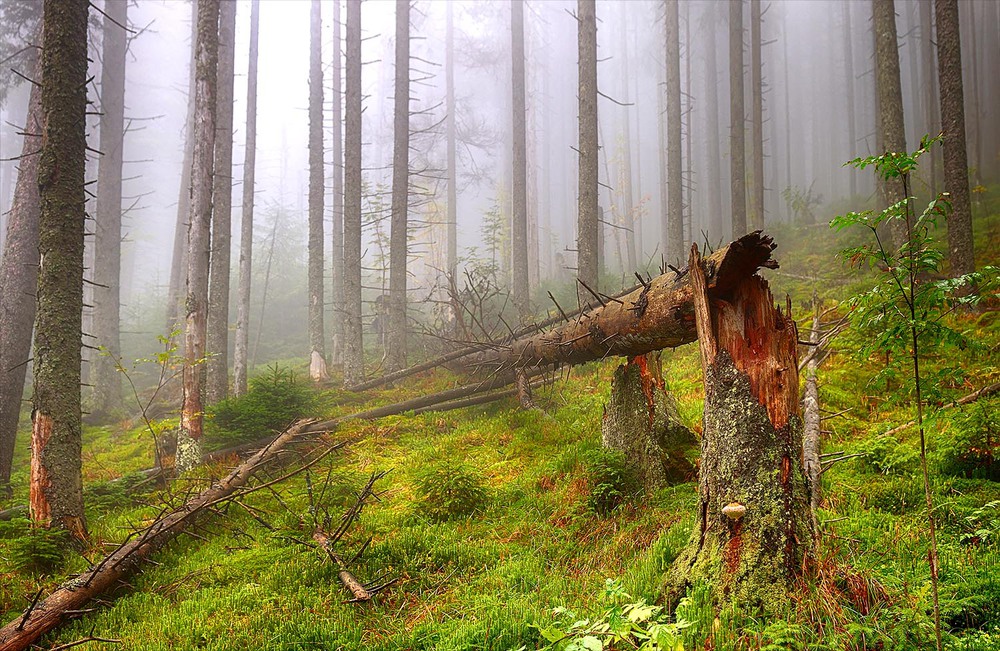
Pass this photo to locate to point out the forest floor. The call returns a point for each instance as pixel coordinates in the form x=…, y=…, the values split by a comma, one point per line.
x=540, y=538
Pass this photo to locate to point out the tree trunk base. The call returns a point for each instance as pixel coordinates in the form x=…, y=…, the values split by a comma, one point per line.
x=641, y=421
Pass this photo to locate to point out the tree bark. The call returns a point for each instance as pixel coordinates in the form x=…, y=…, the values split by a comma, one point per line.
x=757, y=119
x=398, y=248
x=852, y=131
x=587, y=222
x=241, y=351
x=354, y=369
x=317, y=338
x=811, y=448
x=956, y=166
x=629, y=221
x=450, y=137
x=930, y=83
x=753, y=535
x=106, y=381
x=674, y=246
x=56, y=489
x=890, y=102
x=217, y=338
x=519, y=185
x=19, y=280
x=737, y=135
x=199, y=228
x=337, y=237
x=716, y=222
x=657, y=315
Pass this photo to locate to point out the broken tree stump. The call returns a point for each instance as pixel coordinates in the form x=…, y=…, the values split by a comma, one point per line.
x=754, y=532
x=641, y=421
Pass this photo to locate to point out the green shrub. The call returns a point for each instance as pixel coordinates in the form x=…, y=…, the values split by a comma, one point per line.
x=449, y=490
x=274, y=400
x=103, y=496
x=970, y=447
x=611, y=481
x=897, y=495
x=886, y=455
x=33, y=549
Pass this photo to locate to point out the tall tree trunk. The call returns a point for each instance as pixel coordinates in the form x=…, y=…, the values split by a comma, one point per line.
x=974, y=127
x=788, y=116
x=217, y=340
x=246, y=223
x=450, y=135
x=199, y=229
x=587, y=224
x=337, y=238
x=737, y=135
x=754, y=528
x=19, y=281
x=400, y=193
x=354, y=368
x=106, y=381
x=178, y=259
x=519, y=228
x=661, y=146
x=629, y=220
x=317, y=339
x=890, y=102
x=56, y=490
x=717, y=223
x=757, y=93
x=852, y=131
x=546, y=241
x=956, y=175
x=674, y=245
x=931, y=112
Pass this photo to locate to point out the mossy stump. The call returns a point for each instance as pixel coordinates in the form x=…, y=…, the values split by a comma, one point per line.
x=753, y=536
x=641, y=421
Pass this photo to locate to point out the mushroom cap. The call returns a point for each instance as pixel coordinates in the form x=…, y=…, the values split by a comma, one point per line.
x=734, y=510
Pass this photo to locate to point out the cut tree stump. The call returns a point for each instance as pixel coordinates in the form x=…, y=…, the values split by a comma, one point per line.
x=641, y=421
x=754, y=533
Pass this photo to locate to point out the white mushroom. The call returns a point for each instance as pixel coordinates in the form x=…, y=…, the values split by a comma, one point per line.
x=734, y=510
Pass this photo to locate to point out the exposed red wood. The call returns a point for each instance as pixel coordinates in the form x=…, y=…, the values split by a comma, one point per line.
x=38, y=500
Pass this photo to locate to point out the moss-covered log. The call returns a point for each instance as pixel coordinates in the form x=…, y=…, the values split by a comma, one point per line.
x=753, y=534
x=641, y=421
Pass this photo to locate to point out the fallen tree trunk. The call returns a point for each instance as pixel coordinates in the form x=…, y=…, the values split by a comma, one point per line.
x=811, y=427
x=658, y=315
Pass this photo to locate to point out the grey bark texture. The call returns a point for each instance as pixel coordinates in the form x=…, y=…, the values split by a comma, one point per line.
x=354, y=368
x=56, y=485
x=641, y=420
x=811, y=430
x=519, y=227
x=892, y=135
x=450, y=141
x=718, y=228
x=337, y=236
x=241, y=350
x=19, y=281
x=956, y=166
x=629, y=220
x=217, y=340
x=737, y=134
x=674, y=246
x=852, y=131
x=587, y=221
x=930, y=86
x=756, y=120
x=199, y=238
x=317, y=338
x=398, y=248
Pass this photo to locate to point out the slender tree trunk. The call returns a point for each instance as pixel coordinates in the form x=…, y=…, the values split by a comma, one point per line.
x=217, y=341
x=717, y=223
x=687, y=116
x=737, y=136
x=674, y=245
x=246, y=224
x=852, y=131
x=400, y=193
x=56, y=489
x=629, y=220
x=317, y=339
x=890, y=101
x=788, y=117
x=546, y=240
x=754, y=529
x=974, y=127
x=661, y=142
x=354, y=369
x=199, y=229
x=956, y=175
x=587, y=226
x=757, y=92
x=450, y=135
x=178, y=260
x=337, y=239
x=811, y=448
x=931, y=112
x=519, y=228
x=19, y=281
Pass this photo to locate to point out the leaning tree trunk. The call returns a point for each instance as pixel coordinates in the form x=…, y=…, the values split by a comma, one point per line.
x=641, y=420
x=737, y=135
x=56, y=490
x=400, y=193
x=354, y=368
x=19, y=280
x=217, y=338
x=587, y=224
x=241, y=350
x=753, y=533
x=674, y=246
x=317, y=343
x=519, y=184
x=199, y=224
x=890, y=103
x=107, y=382
x=337, y=235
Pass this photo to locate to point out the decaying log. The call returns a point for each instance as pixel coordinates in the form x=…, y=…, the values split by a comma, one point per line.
x=811, y=428
x=657, y=315
x=753, y=533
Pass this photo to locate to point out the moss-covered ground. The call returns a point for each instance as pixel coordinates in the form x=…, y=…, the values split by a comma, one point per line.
x=540, y=539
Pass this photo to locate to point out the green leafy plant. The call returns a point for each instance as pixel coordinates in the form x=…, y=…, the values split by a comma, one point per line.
x=450, y=490
x=903, y=314
x=273, y=401
x=610, y=479
x=983, y=525
x=34, y=549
